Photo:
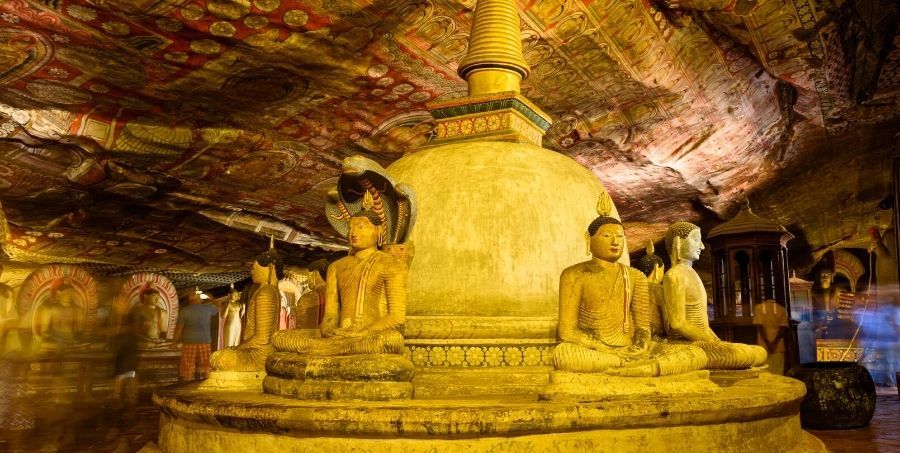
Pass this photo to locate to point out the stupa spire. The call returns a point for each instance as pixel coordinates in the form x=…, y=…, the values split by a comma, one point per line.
x=494, y=68
x=494, y=62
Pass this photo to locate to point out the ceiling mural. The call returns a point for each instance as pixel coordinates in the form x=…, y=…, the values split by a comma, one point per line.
x=172, y=134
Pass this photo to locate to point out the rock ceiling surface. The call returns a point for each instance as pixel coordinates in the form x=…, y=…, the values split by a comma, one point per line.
x=171, y=134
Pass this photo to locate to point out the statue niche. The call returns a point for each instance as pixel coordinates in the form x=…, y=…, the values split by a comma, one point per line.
x=357, y=351
x=151, y=301
x=61, y=303
x=684, y=308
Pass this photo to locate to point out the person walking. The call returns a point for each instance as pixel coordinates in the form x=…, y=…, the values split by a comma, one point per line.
x=193, y=332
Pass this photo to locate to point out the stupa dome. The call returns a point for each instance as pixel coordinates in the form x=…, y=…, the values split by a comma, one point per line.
x=497, y=223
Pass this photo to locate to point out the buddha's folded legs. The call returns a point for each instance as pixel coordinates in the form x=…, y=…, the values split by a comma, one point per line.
x=389, y=342
x=731, y=356
x=581, y=359
x=666, y=359
x=237, y=359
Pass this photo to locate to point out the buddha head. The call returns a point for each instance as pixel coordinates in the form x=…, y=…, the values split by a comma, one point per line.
x=824, y=278
x=683, y=242
x=66, y=295
x=150, y=298
x=268, y=267
x=651, y=265
x=606, y=238
x=366, y=231
x=367, y=228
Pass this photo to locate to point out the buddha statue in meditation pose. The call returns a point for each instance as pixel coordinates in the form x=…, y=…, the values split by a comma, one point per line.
x=653, y=267
x=357, y=351
x=604, y=315
x=149, y=319
x=684, y=308
x=262, y=317
x=59, y=324
x=365, y=299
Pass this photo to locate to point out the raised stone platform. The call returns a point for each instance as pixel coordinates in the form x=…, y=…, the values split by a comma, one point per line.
x=587, y=387
x=374, y=377
x=233, y=381
x=758, y=414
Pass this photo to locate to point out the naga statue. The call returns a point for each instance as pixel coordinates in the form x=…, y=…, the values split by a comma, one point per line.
x=684, y=310
x=394, y=204
x=357, y=351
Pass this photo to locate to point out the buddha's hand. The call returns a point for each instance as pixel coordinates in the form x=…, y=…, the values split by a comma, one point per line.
x=348, y=332
x=631, y=351
x=641, y=343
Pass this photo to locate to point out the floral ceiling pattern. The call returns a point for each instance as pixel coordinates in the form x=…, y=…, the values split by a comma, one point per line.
x=174, y=134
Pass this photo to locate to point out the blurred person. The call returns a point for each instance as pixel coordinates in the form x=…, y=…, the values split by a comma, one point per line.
x=125, y=345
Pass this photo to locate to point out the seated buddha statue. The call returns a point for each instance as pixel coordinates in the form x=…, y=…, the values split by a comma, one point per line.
x=604, y=315
x=365, y=300
x=262, y=318
x=654, y=268
x=59, y=324
x=357, y=351
x=148, y=319
x=684, y=307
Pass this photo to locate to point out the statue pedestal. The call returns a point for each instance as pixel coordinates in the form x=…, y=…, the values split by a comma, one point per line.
x=234, y=381
x=372, y=377
x=759, y=414
x=587, y=387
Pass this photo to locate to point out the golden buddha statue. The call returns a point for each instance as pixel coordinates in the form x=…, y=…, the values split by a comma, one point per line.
x=262, y=317
x=357, y=351
x=149, y=319
x=365, y=299
x=654, y=268
x=684, y=307
x=604, y=314
x=60, y=324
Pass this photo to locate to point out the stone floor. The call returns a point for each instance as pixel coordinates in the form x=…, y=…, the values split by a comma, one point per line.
x=103, y=426
x=881, y=436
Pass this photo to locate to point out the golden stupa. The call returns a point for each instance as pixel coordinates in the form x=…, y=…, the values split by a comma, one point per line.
x=498, y=219
x=499, y=216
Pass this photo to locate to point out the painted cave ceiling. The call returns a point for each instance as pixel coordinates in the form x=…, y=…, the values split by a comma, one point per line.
x=174, y=134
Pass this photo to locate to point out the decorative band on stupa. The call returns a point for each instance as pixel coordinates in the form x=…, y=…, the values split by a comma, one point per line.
x=494, y=67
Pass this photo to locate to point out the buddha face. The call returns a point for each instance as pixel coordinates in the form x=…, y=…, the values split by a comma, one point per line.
x=151, y=299
x=260, y=273
x=825, y=279
x=691, y=246
x=363, y=234
x=608, y=242
x=66, y=298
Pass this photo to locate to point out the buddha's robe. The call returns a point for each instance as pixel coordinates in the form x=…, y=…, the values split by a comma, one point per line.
x=256, y=339
x=601, y=312
x=370, y=302
x=685, y=302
